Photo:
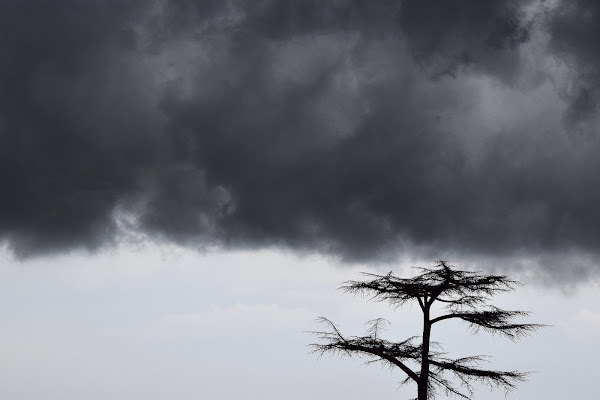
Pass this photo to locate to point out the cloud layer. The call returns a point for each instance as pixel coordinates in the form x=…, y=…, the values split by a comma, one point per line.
x=354, y=128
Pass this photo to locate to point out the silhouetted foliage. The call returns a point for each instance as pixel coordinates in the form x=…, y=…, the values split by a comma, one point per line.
x=464, y=295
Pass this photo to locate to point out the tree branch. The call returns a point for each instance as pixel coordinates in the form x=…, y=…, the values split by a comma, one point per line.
x=494, y=320
x=506, y=379
x=371, y=345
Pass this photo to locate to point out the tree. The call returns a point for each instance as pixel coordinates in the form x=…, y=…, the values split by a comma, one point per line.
x=462, y=295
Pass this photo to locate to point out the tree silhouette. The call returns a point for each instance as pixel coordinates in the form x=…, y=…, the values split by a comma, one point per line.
x=463, y=295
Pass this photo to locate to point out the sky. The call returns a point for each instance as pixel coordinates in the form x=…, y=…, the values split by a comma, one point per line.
x=186, y=183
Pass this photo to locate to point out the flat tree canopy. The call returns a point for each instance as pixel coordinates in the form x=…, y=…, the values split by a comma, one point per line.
x=464, y=295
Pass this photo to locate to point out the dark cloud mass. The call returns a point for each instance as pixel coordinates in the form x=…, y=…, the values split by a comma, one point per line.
x=355, y=128
x=575, y=27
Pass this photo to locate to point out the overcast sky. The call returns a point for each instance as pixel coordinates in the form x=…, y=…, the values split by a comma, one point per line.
x=186, y=182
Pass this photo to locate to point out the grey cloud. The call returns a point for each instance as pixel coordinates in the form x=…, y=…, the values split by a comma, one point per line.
x=447, y=36
x=574, y=27
x=354, y=128
x=70, y=132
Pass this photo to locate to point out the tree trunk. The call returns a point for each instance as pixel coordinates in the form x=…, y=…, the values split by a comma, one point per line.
x=422, y=391
x=424, y=375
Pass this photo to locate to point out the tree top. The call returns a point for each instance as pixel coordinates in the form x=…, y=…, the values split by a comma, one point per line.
x=443, y=283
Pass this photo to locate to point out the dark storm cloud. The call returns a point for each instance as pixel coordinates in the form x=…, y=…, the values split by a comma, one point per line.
x=575, y=28
x=70, y=135
x=448, y=35
x=355, y=128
